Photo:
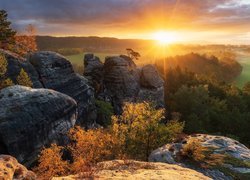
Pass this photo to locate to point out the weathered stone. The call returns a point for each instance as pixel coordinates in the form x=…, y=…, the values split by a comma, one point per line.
x=120, y=81
x=33, y=118
x=150, y=77
x=10, y=169
x=15, y=63
x=130, y=169
x=57, y=73
x=93, y=71
x=218, y=144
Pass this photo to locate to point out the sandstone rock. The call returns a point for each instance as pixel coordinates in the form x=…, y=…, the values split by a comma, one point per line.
x=33, y=118
x=130, y=169
x=56, y=73
x=120, y=80
x=93, y=71
x=11, y=169
x=219, y=144
x=15, y=63
x=150, y=77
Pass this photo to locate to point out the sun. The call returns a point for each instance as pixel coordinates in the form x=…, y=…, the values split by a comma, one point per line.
x=164, y=37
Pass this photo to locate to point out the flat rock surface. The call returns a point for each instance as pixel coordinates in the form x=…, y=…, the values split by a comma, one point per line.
x=129, y=169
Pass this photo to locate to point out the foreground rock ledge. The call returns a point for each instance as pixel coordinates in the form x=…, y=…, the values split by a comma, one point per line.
x=131, y=169
x=11, y=169
x=33, y=118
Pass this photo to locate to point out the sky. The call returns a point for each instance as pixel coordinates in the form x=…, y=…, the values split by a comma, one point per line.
x=201, y=21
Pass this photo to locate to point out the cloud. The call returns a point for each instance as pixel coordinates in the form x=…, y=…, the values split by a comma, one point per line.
x=104, y=17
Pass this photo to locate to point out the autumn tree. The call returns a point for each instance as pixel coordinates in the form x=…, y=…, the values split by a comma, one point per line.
x=51, y=163
x=26, y=43
x=23, y=79
x=4, y=81
x=89, y=147
x=7, y=35
x=140, y=129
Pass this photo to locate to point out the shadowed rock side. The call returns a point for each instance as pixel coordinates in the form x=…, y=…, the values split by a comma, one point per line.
x=93, y=71
x=11, y=169
x=15, y=63
x=120, y=80
x=33, y=118
x=130, y=169
x=232, y=149
x=56, y=73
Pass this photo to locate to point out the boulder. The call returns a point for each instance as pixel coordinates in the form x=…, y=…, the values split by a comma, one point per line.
x=150, y=77
x=57, y=73
x=16, y=63
x=11, y=169
x=236, y=155
x=33, y=118
x=120, y=80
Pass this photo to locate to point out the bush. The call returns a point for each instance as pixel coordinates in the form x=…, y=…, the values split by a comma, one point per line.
x=104, y=112
x=89, y=147
x=204, y=156
x=4, y=82
x=140, y=130
x=23, y=79
x=51, y=163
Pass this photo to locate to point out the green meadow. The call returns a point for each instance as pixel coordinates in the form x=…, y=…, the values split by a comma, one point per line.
x=244, y=60
x=78, y=58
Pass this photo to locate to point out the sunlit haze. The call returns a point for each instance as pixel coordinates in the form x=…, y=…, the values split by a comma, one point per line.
x=192, y=21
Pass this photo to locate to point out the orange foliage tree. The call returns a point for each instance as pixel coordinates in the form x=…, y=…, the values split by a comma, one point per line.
x=26, y=43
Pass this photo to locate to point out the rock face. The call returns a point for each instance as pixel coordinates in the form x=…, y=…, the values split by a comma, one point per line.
x=121, y=80
x=118, y=169
x=56, y=73
x=11, y=169
x=15, y=63
x=33, y=118
x=231, y=149
x=93, y=71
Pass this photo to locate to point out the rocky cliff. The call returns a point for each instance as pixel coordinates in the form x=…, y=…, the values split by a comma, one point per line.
x=120, y=80
x=56, y=73
x=33, y=118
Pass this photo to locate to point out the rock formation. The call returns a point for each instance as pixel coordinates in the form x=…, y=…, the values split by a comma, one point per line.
x=130, y=169
x=11, y=169
x=33, y=118
x=56, y=73
x=93, y=71
x=237, y=156
x=123, y=81
x=15, y=63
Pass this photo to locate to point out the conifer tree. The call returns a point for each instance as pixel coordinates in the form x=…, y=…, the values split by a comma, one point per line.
x=23, y=79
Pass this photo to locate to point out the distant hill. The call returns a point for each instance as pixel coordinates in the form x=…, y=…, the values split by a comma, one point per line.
x=100, y=44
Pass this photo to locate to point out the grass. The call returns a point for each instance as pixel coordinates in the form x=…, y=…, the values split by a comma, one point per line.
x=245, y=75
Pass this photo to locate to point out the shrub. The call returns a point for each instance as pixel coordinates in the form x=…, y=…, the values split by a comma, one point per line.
x=4, y=82
x=197, y=153
x=89, y=147
x=140, y=130
x=51, y=163
x=104, y=112
x=23, y=79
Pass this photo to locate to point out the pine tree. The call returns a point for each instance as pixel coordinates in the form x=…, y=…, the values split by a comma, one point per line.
x=23, y=79
x=4, y=82
x=7, y=35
